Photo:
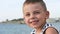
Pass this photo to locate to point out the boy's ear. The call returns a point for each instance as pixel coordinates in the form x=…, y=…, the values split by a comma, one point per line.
x=47, y=14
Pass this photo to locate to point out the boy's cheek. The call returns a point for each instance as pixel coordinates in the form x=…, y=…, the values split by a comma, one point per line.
x=25, y=20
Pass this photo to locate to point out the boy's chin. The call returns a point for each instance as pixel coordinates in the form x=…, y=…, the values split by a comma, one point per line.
x=35, y=27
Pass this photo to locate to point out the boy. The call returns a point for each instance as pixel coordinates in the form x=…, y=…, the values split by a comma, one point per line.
x=35, y=15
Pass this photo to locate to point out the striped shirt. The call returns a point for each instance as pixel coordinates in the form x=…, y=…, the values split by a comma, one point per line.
x=44, y=28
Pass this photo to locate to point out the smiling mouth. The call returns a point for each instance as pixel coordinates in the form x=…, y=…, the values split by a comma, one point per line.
x=34, y=21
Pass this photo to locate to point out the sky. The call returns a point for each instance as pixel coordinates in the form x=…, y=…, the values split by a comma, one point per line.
x=12, y=9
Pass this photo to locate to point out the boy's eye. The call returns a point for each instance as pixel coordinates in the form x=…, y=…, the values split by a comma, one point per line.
x=27, y=15
x=37, y=12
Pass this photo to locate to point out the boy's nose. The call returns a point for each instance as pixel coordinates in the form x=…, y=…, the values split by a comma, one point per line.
x=32, y=16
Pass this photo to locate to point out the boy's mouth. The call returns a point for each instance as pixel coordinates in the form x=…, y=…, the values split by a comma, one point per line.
x=34, y=21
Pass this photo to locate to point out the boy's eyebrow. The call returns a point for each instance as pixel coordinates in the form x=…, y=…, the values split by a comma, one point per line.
x=37, y=10
x=26, y=12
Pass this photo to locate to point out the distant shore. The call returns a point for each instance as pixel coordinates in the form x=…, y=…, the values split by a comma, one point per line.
x=21, y=21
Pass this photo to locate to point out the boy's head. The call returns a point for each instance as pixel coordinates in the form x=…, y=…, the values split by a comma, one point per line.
x=35, y=13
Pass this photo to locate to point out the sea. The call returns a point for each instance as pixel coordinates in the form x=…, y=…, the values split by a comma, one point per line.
x=20, y=28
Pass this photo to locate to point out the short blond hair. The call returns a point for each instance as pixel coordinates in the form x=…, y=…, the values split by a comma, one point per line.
x=36, y=1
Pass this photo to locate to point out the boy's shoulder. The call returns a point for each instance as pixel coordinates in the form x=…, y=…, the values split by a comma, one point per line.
x=51, y=30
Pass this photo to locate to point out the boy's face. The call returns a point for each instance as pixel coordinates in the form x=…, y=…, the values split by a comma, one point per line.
x=35, y=15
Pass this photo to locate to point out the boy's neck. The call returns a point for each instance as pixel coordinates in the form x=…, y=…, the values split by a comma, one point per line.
x=39, y=29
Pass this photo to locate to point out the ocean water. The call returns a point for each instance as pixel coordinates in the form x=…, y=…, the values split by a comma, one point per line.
x=20, y=28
